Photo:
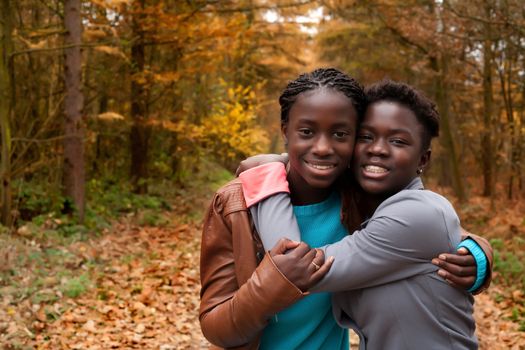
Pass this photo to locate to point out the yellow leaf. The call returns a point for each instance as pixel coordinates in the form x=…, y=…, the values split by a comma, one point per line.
x=111, y=50
x=109, y=116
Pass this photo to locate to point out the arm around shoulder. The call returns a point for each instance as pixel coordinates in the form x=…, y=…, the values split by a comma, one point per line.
x=398, y=242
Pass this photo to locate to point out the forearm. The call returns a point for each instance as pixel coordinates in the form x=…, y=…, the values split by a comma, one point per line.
x=362, y=261
x=238, y=319
x=398, y=242
x=235, y=306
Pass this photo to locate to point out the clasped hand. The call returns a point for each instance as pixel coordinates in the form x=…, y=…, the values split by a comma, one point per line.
x=300, y=264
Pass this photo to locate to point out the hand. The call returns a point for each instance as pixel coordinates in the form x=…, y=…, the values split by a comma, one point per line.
x=252, y=162
x=302, y=265
x=459, y=269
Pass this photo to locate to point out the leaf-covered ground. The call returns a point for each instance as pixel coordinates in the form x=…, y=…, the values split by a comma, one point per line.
x=137, y=287
x=143, y=294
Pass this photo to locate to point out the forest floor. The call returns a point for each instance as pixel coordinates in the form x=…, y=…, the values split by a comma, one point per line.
x=137, y=287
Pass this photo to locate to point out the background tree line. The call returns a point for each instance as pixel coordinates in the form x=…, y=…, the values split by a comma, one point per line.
x=135, y=92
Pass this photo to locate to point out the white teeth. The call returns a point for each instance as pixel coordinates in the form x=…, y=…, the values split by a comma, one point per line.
x=321, y=167
x=375, y=169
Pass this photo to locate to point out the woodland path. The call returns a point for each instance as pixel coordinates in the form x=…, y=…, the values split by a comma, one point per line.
x=147, y=297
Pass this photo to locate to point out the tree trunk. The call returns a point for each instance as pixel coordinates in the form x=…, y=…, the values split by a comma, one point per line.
x=74, y=171
x=487, y=157
x=505, y=79
x=440, y=66
x=6, y=99
x=140, y=132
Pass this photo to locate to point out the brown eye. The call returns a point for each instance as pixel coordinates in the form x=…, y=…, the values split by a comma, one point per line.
x=364, y=137
x=340, y=134
x=399, y=142
x=305, y=132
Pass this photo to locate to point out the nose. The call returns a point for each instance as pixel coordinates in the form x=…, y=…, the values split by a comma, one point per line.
x=323, y=146
x=378, y=147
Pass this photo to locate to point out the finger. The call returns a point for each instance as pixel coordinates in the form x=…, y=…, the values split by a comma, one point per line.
x=318, y=259
x=456, y=281
x=301, y=250
x=309, y=257
x=282, y=246
x=463, y=251
x=242, y=167
x=461, y=260
x=238, y=171
x=454, y=285
x=289, y=244
x=322, y=271
x=319, y=256
x=458, y=270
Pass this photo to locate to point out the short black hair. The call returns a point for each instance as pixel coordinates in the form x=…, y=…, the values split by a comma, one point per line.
x=323, y=77
x=413, y=99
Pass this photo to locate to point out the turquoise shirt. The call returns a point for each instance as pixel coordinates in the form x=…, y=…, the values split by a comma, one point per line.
x=309, y=323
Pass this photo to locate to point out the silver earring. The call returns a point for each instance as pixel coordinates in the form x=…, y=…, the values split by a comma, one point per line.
x=419, y=171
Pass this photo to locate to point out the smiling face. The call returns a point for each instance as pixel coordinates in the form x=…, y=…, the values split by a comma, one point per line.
x=320, y=135
x=389, y=149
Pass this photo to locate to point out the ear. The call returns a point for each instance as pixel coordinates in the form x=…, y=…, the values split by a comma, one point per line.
x=284, y=133
x=425, y=159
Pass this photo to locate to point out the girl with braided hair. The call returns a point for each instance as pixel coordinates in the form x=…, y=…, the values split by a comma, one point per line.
x=252, y=299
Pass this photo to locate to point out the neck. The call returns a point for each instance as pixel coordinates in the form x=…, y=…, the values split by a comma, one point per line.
x=302, y=193
x=370, y=203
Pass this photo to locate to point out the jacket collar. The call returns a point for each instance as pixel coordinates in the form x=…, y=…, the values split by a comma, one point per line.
x=415, y=184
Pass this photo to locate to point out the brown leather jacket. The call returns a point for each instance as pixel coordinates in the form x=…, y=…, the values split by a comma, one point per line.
x=239, y=294
x=241, y=286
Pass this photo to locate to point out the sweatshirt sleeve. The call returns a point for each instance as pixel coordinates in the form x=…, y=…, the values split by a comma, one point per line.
x=399, y=241
x=274, y=219
x=266, y=193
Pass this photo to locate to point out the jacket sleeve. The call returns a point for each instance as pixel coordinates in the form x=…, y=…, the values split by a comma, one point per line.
x=233, y=313
x=487, y=249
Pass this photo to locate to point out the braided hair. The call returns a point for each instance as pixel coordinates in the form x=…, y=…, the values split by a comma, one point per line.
x=424, y=109
x=322, y=78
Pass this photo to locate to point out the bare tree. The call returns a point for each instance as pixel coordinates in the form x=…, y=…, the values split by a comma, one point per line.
x=6, y=99
x=74, y=168
x=140, y=132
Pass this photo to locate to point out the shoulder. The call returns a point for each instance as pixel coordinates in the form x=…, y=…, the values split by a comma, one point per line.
x=419, y=205
x=417, y=218
x=229, y=198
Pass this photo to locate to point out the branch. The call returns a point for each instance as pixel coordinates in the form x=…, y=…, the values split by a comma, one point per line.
x=47, y=49
x=401, y=37
x=51, y=139
x=261, y=7
x=519, y=27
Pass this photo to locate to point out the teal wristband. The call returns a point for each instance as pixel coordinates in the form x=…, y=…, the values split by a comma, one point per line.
x=481, y=262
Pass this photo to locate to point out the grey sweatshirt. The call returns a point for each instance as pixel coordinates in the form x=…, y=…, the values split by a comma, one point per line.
x=386, y=287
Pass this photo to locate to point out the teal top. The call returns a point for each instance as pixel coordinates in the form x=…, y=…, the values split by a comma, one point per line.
x=309, y=323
